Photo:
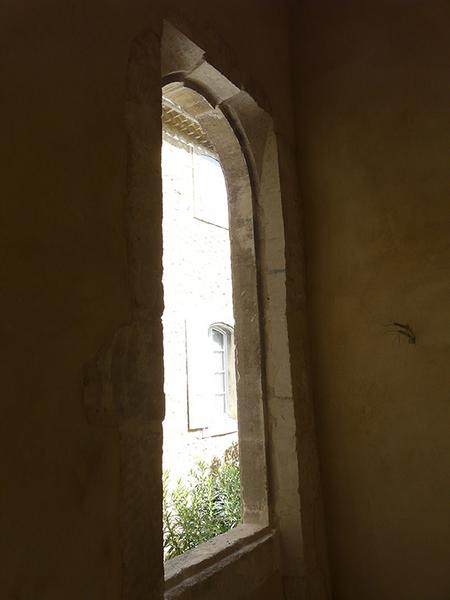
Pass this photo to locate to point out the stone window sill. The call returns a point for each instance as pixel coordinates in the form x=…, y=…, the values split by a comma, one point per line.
x=223, y=427
x=205, y=561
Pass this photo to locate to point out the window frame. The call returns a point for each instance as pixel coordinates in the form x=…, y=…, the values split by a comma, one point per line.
x=227, y=334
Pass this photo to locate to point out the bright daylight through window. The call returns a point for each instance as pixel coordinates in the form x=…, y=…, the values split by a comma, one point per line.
x=200, y=452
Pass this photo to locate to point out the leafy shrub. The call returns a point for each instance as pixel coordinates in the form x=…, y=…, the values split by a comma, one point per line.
x=207, y=504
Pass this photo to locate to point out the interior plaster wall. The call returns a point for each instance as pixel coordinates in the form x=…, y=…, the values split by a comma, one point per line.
x=65, y=279
x=372, y=90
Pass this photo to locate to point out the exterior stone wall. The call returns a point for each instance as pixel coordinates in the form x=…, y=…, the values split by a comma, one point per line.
x=197, y=293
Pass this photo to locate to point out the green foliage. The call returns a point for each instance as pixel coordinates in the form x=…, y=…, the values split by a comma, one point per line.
x=207, y=504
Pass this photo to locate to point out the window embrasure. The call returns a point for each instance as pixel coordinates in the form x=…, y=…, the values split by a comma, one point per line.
x=243, y=138
x=215, y=297
x=123, y=382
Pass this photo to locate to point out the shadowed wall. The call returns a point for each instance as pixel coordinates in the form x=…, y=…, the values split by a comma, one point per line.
x=372, y=90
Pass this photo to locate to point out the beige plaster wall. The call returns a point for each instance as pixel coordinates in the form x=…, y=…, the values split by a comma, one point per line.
x=64, y=276
x=372, y=90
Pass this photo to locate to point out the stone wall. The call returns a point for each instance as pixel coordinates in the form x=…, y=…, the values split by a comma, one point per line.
x=197, y=294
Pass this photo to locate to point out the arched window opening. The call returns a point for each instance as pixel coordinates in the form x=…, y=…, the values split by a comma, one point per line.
x=201, y=425
x=228, y=140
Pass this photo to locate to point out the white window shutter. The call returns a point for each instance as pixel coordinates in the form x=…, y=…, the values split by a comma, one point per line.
x=198, y=375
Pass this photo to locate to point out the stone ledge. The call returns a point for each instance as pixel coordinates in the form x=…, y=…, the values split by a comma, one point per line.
x=204, y=561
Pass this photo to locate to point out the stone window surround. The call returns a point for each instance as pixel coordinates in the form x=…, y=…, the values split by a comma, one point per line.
x=118, y=382
x=243, y=137
x=246, y=302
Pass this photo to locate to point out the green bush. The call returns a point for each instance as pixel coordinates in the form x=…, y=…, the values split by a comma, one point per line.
x=207, y=504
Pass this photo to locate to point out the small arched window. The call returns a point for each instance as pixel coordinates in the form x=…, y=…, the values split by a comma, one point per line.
x=222, y=372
